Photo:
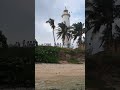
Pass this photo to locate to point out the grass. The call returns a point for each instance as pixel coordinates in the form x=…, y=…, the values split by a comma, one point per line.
x=73, y=61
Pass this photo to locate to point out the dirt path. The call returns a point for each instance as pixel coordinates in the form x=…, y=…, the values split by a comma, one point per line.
x=59, y=76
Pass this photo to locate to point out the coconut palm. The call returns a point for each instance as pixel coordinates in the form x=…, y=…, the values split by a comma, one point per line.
x=98, y=13
x=51, y=22
x=64, y=32
x=116, y=34
x=77, y=32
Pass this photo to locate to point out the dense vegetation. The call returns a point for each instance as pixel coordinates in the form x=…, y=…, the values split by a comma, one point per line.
x=17, y=63
x=46, y=54
x=49, y=54
x=17, y=66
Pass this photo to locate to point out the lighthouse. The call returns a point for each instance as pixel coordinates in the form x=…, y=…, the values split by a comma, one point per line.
x=66, y=20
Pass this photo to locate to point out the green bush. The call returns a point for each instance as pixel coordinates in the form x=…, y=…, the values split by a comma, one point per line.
x=17, y=66
x=47, y=54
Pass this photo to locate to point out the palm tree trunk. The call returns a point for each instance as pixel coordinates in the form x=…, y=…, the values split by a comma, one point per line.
x=54, y=38
x=62, y=43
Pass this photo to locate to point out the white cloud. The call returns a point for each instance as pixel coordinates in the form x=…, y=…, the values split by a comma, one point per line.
x=45, y=9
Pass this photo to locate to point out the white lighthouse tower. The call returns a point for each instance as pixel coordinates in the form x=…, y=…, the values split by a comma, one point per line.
x=66, y=21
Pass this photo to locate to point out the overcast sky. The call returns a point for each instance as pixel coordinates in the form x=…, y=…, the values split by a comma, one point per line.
x=45, y=9
x=17, y=20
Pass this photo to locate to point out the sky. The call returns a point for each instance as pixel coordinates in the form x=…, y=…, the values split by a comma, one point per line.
x=45, y=9
x=17, y=20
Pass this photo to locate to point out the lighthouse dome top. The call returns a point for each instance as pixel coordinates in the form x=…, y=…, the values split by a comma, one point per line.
x=65, y=12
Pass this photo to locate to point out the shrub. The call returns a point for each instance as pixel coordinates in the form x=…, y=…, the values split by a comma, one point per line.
x=47, y=54
x=17, y=66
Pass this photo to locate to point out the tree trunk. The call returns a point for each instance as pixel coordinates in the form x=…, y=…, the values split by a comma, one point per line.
x=62, y=43
x=54, y=38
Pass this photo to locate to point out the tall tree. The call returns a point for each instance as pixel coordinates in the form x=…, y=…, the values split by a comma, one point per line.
x=116, y=28
x=77, y=32
x=64, y=32
x=51, y=22
x=98, y=13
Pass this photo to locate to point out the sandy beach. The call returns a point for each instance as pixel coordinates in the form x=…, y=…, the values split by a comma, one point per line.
x=59, y=76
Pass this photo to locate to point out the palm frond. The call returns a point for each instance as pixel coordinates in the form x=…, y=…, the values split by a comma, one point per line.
x=47, y=21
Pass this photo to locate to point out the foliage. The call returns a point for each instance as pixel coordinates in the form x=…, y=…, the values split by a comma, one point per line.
x=72, y=51
x=51, y=22
x=77, y=33
x=17, y=66
x=64, y=32
x=99, y=13
x=75, y=55
x=70, y=32
x=80, y=50
x=73, y=61
x=47, y=54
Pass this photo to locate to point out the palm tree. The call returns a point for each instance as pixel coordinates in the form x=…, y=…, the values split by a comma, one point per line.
x=64, y=32
x=51, y=22
x=78, y=31
x=98, y=13
x=116, y=35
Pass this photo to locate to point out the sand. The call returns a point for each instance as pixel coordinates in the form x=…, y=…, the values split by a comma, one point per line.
x=60, y=77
